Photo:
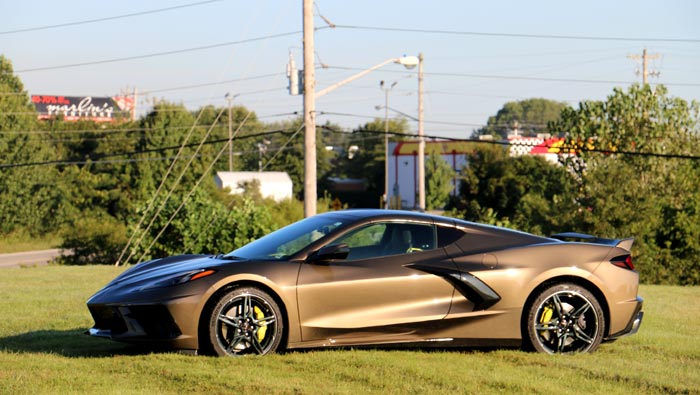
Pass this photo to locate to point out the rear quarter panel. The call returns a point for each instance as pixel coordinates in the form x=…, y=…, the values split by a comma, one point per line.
x=515, y=273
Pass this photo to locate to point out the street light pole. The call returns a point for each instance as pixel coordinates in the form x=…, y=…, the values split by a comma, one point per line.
x=421, y=140
x=386, y=140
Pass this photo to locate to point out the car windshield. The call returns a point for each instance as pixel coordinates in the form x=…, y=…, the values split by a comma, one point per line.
x=289, y=240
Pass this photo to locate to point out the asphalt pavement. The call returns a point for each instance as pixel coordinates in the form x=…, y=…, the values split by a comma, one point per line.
x=28, y=258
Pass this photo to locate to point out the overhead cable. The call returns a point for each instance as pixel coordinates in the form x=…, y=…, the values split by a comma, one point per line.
x=518, y=35
x=109, y=18
x=155, y=54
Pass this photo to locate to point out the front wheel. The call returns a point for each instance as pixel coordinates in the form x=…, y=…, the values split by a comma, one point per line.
x=245, y=321
x=564, y=318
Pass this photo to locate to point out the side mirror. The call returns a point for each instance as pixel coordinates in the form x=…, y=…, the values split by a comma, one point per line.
x=330, y=253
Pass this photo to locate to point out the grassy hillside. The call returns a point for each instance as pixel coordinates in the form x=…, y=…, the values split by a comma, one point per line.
x=43, y=350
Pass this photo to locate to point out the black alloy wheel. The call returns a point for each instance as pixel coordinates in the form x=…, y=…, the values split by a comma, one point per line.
x=564, y=318
x=245, y=321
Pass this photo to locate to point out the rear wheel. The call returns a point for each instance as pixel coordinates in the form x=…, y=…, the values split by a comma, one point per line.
x=245, y=321
x=564, y=318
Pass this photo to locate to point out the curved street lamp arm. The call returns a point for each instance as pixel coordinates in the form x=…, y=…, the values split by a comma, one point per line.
x=354, y=77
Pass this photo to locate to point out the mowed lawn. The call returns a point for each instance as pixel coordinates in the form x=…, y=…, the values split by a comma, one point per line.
x=43, y=351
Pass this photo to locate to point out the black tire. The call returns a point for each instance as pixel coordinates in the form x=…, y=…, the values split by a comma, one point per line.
x=245, y=321
x=564, y=318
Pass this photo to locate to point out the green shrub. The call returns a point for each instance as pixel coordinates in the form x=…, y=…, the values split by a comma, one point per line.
x=93, y=239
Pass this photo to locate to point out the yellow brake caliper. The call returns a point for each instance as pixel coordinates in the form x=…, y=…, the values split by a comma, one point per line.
x=263, y=328
x=546, y=317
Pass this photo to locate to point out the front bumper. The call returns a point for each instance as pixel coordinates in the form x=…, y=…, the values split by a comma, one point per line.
x=133, y=323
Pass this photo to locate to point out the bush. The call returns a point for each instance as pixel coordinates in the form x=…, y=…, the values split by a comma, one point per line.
x=93, y=239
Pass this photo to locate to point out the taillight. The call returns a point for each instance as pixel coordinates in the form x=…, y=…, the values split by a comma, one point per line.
x=623, y=261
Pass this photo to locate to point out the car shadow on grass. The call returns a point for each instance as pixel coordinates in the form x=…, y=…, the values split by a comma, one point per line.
x=75, y=343
x=69, y=343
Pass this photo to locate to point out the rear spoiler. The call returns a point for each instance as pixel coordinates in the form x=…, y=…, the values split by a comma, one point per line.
x=625, y=244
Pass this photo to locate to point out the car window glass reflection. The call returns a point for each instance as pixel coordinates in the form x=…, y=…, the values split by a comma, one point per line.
x=288, y=240
x=384, y=239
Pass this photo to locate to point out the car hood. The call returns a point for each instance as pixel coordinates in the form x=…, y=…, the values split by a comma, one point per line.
x=160, y=273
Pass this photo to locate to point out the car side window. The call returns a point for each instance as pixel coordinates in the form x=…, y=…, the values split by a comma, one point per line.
x=367, y=236
x=390, y=238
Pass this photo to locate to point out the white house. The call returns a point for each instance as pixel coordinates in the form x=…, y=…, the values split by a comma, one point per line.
x=273, y=184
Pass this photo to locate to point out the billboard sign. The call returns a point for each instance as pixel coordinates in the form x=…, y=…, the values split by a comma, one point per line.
x=73, y=108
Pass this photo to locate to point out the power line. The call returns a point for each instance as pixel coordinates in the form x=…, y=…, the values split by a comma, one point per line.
x=125, y=130
x=497, y=125
x=204, y=84
x=96, y=130
x=376, y=117
x=517, y=35
x=109, y=18
x=97, y=158
x=156, y=54
x=513, y=77
x=507, y=143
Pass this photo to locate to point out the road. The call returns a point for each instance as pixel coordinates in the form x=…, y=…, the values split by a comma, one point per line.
x=29, y=258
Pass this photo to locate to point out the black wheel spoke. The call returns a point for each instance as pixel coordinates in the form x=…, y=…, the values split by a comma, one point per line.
x=265, y=321
x=581, y=335
x=228, y=321
x=581, y=310
x=248, y=306
x=232, y=347
x=550, y=326
x=256, y=344
x=561, y=346
x=558, y=305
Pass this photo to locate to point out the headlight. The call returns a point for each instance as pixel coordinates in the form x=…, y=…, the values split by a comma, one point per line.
x=180, y=278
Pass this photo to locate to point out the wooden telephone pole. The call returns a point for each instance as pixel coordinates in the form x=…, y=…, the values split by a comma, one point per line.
x=310, y=194
x=644, y=60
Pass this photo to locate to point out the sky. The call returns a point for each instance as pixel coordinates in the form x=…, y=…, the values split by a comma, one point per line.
x=477, y=55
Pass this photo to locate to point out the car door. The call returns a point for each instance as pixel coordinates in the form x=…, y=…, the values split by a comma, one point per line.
x=371, y=295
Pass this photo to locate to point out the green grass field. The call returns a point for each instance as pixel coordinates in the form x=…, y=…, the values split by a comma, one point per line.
x=43, y=351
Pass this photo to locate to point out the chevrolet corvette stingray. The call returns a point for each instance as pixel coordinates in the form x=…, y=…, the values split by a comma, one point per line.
x=378, y=277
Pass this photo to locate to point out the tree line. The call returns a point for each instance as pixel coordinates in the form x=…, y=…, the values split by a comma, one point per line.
x=629, y=168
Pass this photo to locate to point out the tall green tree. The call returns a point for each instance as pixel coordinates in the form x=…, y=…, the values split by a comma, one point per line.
x=29, y=201
x=626, y=189
x=439, y=176
x=369, y=160
x=529, y=117
x=525, y=192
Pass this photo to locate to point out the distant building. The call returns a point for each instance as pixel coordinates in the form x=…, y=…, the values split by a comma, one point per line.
x=403, y=168
x=403, y=161
x=273, y=184
x=543, y=145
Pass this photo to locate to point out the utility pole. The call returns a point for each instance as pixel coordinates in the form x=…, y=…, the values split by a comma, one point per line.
x=310, y=194
x=421, y=139
x=230, y=98
x=644, y=61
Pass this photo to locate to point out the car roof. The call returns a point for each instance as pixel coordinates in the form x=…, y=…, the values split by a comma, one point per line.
x=382, y=214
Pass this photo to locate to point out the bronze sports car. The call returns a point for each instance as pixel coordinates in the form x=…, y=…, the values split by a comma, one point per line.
x=367, y=277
